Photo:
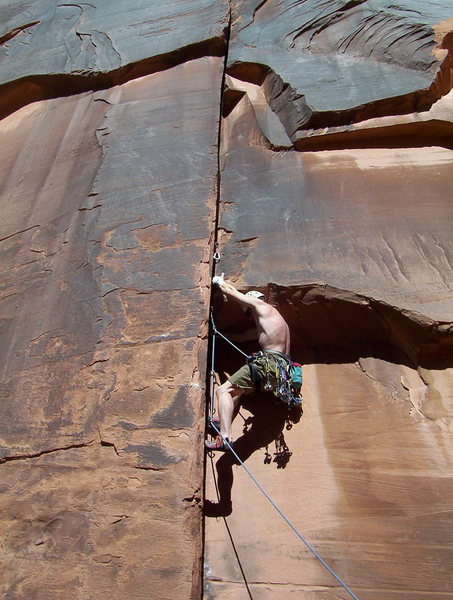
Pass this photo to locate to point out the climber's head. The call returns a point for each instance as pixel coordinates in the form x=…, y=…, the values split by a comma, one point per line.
x=256, y=294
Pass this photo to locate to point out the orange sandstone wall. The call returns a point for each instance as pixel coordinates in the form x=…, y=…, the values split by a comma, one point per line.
x=337, y=167
x=318, y=135
x=108, y=193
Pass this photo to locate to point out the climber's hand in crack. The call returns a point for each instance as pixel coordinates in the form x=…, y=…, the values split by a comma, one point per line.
x=218, y=279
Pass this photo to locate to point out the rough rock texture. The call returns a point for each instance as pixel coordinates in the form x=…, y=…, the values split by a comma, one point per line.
x=327, y=184
x=306, y=54
x=50, y=48
x=105, y=295
x=335, y=186
x=368, y=483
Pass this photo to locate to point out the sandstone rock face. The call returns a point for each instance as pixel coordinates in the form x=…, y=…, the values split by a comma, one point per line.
x=105, y=295
x=336, y=166
x=306, y=54
x=312, y=141
x=51, y=48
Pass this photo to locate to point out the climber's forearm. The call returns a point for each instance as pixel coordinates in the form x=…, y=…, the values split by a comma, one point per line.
x=231, y=292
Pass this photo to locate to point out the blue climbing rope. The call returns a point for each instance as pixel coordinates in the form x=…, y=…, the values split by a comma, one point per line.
x=217, y=332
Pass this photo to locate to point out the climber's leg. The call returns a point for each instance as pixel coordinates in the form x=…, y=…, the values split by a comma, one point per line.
x=228, y=399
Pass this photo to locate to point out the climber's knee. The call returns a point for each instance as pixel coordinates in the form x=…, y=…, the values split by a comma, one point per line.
x=229, y=388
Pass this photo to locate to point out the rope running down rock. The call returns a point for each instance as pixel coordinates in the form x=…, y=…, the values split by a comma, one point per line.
x=255, y=481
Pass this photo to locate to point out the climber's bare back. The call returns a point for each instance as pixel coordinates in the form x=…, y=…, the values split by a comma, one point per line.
x=273, y=332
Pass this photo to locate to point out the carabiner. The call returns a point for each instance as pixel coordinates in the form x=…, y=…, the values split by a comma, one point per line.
x=216, y=255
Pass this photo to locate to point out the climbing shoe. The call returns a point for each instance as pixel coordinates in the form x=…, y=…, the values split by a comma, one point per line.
x=217, y=509
x=218, y=444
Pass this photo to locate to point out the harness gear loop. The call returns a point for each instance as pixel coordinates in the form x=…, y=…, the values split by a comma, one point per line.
x=288, y=374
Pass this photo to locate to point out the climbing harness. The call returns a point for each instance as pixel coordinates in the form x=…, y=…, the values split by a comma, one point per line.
x=284, y=384
x=287, y=375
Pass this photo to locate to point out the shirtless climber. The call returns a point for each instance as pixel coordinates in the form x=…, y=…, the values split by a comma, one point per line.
x=273, y=337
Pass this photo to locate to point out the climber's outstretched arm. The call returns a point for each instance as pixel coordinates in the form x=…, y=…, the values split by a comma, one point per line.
x=233, y=294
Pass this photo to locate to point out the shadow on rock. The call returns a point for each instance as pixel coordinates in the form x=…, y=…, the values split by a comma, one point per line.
x=266, y=425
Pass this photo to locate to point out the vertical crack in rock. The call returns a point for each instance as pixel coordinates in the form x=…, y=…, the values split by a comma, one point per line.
x=115, y=343
x=227, y=34
x=129, y=259
x=217, y=251
x=353, y=451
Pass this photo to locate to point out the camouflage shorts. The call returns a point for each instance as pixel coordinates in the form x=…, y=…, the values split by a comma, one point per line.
x=243, y=377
